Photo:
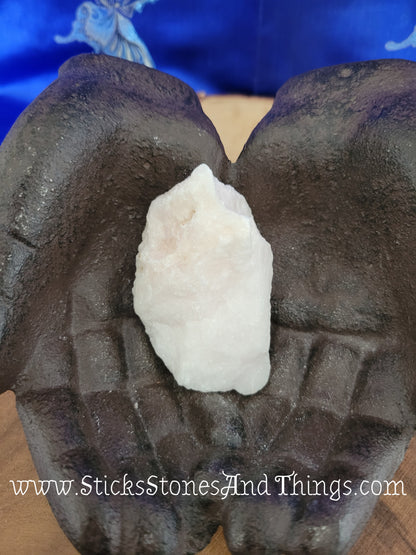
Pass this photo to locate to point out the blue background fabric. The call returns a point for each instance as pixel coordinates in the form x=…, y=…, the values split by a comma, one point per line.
x=216, y=46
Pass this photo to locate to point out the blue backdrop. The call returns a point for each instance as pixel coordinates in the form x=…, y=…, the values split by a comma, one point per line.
x=224, y=46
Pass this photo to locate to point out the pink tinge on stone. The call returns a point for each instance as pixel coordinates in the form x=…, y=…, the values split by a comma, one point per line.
x=203, y=285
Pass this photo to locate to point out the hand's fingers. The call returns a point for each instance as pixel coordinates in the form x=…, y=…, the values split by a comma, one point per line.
x=347, y=422
x=61, y=452
x=143, y=432
x=135, y=420
x=382, y=392
x=252, y=523
x=301, y=421
x=216, y=421
x=265, y=414
x=324, y=403
x=375, y=435
x=368, y=448
x=65, y=446
x=360, y=468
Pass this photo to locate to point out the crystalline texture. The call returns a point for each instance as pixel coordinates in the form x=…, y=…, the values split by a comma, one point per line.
x=202, y=287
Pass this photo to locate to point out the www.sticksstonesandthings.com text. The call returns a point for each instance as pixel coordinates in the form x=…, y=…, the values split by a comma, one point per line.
x=227, y=485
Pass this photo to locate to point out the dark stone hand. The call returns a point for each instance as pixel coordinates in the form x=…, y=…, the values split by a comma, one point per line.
x=330, y=177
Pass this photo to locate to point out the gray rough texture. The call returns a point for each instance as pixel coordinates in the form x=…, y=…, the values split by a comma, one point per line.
x=331, y=178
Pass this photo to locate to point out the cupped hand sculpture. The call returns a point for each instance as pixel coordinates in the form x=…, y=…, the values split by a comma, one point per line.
x=330, y=176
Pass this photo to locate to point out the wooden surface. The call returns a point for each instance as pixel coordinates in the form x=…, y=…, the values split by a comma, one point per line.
x=27, y=526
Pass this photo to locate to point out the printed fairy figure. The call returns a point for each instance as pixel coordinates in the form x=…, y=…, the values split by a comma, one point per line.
x=105, y=26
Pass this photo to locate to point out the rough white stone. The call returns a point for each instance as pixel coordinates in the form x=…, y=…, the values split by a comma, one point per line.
x=203, y=284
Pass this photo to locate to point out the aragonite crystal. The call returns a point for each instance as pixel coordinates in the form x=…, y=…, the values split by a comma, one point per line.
x=203, y=284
